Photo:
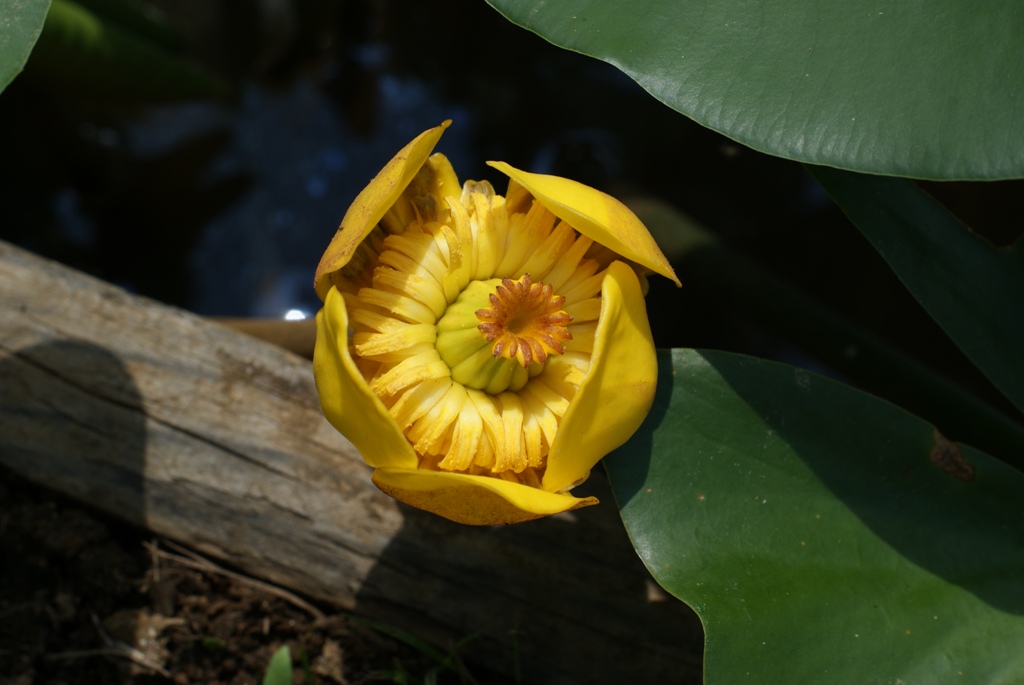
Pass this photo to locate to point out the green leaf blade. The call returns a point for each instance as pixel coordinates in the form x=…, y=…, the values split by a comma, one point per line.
x=21, y=22
x=925, y=90
x=973, y=290
x=808, y=526
x=279, y=669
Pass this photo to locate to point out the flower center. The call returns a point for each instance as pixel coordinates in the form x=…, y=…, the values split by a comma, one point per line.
x=522, y=326
x=524, y=321
x=457, y=327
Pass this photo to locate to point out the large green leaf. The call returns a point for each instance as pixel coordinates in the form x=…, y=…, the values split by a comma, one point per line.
x=974, y=290
x=927, y=89
x=823, y=535
x=20, y=24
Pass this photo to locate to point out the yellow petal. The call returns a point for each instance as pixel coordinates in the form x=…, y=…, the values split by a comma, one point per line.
x=346, y=399
x=473, y=500
x=618, y=390
x=596, y=215
x=372, y=203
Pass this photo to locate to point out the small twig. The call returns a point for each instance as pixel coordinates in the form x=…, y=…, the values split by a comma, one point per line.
x=195, y=561
x=114, y=648
x=120, y=650
x=154, y=559
x=295, y=336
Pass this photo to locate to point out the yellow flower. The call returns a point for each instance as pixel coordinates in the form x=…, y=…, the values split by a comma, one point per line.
x=484, y=352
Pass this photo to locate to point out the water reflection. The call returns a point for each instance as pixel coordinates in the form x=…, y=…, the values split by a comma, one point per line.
x=306, y=163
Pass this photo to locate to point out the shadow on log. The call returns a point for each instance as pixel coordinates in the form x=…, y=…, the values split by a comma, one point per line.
x=214, y=439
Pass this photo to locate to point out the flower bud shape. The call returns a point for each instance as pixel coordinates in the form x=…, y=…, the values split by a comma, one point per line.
x=483, y=352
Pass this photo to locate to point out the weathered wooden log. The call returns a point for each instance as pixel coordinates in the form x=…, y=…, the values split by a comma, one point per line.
x=215, y=439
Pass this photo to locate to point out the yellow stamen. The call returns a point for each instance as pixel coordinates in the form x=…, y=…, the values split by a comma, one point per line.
x=525, y=321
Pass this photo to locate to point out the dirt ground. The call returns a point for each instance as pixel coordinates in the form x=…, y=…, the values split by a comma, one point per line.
x=85, y=600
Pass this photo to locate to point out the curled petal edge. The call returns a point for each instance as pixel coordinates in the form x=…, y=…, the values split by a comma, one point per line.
x=596, y=215
x=473, y=500
x=345, y=398
x=372, y=204
x=618, y=390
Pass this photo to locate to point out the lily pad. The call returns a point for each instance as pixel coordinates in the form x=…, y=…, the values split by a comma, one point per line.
x=822, y=534
x=21, y=21
x=919, y=89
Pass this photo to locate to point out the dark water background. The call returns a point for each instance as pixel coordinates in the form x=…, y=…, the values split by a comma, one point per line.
x=223, y=206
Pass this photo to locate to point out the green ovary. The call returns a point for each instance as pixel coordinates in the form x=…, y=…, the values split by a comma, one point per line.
x=468, y=354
